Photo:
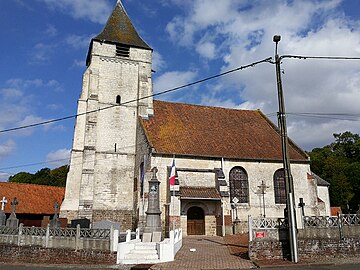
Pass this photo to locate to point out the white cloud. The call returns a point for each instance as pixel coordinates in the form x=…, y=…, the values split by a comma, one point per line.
x=51, y=30
x=172, y=79
x=58, y=157
x=7, y=148
x=4, y=177
x=158, y=62
x=96, y=11
x=243, y=30
x=79, y=42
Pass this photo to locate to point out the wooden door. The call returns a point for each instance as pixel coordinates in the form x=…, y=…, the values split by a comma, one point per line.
x=195, y=221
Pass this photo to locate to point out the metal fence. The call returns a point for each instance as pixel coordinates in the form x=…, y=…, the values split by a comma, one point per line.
x=331, y=221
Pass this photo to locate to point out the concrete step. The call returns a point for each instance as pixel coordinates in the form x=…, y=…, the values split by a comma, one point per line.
x=141, y=256
x=141, y=261
x=145, y=246
x=144, y=251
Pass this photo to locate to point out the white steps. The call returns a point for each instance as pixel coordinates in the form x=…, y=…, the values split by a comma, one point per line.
x=142, y=253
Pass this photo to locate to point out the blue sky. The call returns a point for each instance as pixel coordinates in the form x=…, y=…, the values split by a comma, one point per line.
x=44, y=45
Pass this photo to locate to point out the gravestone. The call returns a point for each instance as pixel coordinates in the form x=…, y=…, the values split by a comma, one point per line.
x=2, y=213
x=83, y=222
x=12, y=220
x=156, y=237
x=146, y=237
x=106, y=224
x=55, y=222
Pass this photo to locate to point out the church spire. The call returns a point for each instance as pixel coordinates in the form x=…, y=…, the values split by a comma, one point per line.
x=119, y=29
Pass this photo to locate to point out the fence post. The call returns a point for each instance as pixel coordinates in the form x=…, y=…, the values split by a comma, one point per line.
x=172, y=237
x=47, y=236
x=128, y=235
x=77, y=238
x=250, y=227
x=112, y=238
x=340, y=225
x=20, y=234
x=115, y=241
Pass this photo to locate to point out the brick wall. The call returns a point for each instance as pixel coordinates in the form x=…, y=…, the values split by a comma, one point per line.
x=124, y=217
x=34, y=254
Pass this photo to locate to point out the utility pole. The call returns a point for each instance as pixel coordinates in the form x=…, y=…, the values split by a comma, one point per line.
x=289, y=185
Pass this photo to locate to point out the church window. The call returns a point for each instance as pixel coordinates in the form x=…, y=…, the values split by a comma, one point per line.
x=239, y=185
x=279, y=187
x=118, y=99
x=122, y=50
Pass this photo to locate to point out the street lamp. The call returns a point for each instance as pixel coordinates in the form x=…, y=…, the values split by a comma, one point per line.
x=289, y=185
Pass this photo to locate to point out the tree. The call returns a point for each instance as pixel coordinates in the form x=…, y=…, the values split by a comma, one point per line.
x=45, y=176
x=339, y=164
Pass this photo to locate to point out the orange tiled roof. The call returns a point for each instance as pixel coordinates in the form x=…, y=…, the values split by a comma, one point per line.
x=335, y=210
x=212, y=131
x=33, y=199
x=199, y=193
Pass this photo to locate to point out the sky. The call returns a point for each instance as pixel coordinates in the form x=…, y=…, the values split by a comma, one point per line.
x=44, y=45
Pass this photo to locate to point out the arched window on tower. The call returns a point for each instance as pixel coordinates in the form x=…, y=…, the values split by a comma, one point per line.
x=118, y=99
x=279, y=187
x=239, y=185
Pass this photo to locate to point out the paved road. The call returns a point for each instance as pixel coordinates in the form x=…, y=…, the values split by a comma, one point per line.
x=36, y=267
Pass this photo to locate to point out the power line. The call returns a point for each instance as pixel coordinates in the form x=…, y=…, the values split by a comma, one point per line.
x=145, y=97
x=333, y=116
x=304, y=57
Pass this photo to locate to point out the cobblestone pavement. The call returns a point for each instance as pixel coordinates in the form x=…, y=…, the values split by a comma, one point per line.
x=210, y=253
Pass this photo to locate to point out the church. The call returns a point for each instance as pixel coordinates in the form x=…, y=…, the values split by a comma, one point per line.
x=228, y=162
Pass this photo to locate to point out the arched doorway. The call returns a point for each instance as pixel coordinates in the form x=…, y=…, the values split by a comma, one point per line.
x=195, y=221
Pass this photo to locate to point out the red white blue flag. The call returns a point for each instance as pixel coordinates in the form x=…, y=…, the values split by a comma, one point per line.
x=172, y=173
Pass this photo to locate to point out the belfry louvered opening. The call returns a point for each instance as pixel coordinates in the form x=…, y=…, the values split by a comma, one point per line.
x=122, y=50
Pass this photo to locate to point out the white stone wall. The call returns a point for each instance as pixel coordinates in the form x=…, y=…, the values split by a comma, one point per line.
x=323, y=194
x=257, y=172
x=103, y=162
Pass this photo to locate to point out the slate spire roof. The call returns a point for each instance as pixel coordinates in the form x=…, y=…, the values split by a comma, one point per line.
x=194, y=130
x=119, y=29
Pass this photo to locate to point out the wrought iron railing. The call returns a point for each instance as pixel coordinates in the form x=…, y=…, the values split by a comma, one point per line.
x=33, y=231
x=95, y=233
x=331, y=221
x=9, y=230
x=63, y=232
x=269, y=223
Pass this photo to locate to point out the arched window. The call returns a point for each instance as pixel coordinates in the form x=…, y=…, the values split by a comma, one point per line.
x=279, y=186
x=118, y=99
x=239, y=185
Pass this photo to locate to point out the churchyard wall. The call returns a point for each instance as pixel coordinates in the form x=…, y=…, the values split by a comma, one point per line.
x=71, y=238
x=37, y=254
x=321, y=236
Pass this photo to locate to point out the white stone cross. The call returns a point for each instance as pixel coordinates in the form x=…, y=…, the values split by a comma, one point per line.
x=3, y=202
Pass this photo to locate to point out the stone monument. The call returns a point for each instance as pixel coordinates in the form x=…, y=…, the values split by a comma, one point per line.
x=55, y=222
x=2, y=213
x=12, y=220
x=153, y=219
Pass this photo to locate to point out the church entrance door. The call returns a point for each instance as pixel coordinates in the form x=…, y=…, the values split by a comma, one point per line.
x=195, y=221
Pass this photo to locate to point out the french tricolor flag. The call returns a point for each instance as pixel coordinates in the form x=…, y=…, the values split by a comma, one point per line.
x=172, y=174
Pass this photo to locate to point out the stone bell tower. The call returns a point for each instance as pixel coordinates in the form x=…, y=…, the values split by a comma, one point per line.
x=100, y=183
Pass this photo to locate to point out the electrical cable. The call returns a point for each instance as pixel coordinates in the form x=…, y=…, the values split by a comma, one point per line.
x=138, y=99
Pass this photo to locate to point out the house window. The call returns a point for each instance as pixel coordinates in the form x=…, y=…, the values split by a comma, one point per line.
x=118, y=99
x=279, y=187
x=239, y=185
x=122, y=50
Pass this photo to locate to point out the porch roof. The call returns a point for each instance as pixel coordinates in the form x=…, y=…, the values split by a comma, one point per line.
x=203, y=193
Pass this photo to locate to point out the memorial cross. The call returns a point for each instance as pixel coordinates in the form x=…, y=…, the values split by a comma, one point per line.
x=14, y=203
x=3, y=202
x=56, y=207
